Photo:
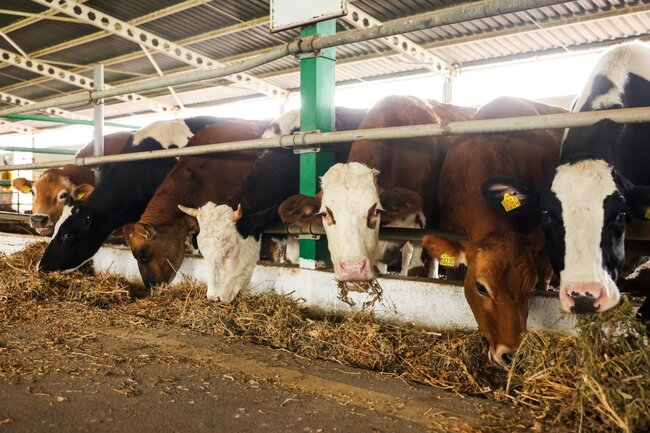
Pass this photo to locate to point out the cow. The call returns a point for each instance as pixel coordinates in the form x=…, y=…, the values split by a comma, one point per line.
x=57, y=187
x=230, y=234
x=383, y=180
x=504, y=256
x=157, y=240
x=601, y=183
x=120, y=197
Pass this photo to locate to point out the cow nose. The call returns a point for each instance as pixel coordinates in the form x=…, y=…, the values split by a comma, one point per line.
x=39, y=220
x=583, y=298
x=355, y=269
x=503, y=357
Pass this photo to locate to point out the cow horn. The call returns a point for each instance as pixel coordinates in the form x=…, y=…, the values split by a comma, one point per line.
x=236, y=215
x=189, y=210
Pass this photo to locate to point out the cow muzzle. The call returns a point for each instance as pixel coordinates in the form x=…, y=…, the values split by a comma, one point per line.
x=354, y=269
x=41, y=223
x=503, y=357
x=583, y=298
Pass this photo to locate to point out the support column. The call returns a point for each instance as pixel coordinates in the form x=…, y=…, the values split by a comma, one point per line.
x=317, y=81
x=98, y=117
x=447, y=90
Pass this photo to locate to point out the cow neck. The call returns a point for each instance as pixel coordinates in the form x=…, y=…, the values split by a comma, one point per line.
x=271, y=181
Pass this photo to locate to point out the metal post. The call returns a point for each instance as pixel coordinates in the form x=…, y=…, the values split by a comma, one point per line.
x=98, y=116
x=447, y=90
x=317, y=81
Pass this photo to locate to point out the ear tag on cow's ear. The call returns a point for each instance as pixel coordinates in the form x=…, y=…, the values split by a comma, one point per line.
x=646, y=215
x=80, y=196
x=25, y=189
x=510, y=202
x=447, y=260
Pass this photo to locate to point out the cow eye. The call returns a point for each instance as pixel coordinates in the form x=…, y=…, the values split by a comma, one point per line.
x=481, y=290
x=373, y=215
x=549, y=218
x=328, y=216
x=621, y=217
x=63, y=196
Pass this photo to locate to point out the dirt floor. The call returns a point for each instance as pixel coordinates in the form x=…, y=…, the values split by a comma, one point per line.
x=113, y=371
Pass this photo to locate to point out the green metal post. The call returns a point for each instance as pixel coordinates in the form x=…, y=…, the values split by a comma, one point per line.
x=317, y=81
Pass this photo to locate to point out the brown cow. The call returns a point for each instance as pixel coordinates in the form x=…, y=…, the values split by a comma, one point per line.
x=57, y=187
x=503, y=266
x=374, y=182
x=157, y=240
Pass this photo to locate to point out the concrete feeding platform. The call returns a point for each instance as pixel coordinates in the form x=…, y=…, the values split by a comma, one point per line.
x=432, y=303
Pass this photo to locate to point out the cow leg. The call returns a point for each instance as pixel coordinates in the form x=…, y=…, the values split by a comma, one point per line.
x=407, y=256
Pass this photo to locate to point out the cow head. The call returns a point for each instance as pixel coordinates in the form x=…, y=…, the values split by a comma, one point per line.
x=500, y=279
x=584, y=206
x=158, y=250
x=349, y=205
x=231, y=256
x=51, y=192
x=76, y=241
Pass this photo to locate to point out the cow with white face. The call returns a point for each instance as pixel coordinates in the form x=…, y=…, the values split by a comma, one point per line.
x=222, y=251
x=601, y=183
x=383, y=180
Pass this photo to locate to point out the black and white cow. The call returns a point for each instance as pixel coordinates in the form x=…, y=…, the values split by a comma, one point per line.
x=601, y=183
x=121, y=196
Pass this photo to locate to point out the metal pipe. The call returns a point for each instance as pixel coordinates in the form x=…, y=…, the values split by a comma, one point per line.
x=38, y=150
x=309, y=139
x=65, y=120
x=456, y=14
x=13, y=216
x=385, y=233
x=98, y=118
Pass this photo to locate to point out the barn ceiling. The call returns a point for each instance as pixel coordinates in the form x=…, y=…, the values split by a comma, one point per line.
x=228, y=30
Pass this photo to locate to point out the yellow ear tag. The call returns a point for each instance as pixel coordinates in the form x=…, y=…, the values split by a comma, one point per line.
x=510, y=202
x=25, y=189
x=647, y=213
x=80, y=196
x=447, y=260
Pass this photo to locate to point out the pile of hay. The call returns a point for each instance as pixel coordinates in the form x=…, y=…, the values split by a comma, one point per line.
x=597, y=382
x=19, y=281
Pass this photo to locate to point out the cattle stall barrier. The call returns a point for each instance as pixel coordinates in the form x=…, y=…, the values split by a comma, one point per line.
x=315, y=286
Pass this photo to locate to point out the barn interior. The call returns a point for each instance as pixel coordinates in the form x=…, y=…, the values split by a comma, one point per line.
x=71, y=344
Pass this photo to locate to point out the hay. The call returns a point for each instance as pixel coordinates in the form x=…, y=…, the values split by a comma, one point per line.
x=19, y=281
x=597, y=382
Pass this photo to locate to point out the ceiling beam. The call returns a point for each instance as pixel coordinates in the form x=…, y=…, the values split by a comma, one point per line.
x=14, y=126
x=407, y=47
x=156, y=43
x=75, y=79
x=28, y=21
x=57, y=112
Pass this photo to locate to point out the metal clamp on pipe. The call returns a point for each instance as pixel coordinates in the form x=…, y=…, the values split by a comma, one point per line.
x=300, y=146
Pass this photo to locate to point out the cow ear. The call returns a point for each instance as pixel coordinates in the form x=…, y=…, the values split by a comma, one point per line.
x=398, y=203
x=300, y=209
x=23, y=185
x=147, y=231
x=511, y=196
x=638, y=200
x=449, y=253
x=81, y=192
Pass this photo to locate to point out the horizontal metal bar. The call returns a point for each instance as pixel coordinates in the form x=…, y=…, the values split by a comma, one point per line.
x=38, y=150
x=385, y=233
x=456, y=14
x=65, y=120
x=509, y=124
x=13, y=216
